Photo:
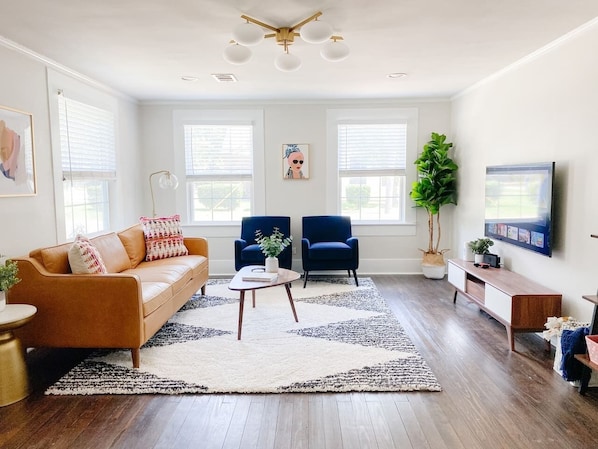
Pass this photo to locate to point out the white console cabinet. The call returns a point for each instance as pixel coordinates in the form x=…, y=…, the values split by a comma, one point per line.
x=519, y=303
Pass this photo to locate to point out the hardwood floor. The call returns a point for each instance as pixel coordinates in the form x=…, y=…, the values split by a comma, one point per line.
x=491, y=398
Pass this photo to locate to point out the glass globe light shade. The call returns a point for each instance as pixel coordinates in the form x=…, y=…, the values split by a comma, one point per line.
x=316, y=32
x=247, y=34
x=335, y=51
x=237, y=54
x=168, y=181
x=287, y=62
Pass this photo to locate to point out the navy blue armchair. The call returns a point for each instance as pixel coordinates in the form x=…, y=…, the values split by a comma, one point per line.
x=248, y=252
x=328, y=244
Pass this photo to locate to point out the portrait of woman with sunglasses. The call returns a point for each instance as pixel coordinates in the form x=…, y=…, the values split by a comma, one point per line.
x=295, y=161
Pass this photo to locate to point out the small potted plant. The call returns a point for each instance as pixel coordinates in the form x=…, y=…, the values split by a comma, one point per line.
x=479, y=247
x=272, y=246
x=8, y=278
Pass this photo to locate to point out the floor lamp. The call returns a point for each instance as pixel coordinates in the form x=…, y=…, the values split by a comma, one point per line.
x=166, y=181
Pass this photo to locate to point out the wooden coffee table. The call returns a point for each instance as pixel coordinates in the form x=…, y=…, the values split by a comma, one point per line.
x=285, y=277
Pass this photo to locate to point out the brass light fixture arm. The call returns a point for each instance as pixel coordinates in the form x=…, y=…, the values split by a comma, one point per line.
x=285, y=36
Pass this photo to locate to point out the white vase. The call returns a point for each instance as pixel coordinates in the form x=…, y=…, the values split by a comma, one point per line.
x=2, y=300
x=271, y=265
x=478, y=258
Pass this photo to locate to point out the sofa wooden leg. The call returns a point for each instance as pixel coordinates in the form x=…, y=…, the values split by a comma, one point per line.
x=135, y=355
x=355, y=276
x=305, y=278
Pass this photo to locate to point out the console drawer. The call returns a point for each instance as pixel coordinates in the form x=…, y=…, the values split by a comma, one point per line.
x=499, y=303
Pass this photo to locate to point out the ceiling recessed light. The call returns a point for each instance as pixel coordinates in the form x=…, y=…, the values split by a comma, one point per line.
x=189, y=78
x=396, y=75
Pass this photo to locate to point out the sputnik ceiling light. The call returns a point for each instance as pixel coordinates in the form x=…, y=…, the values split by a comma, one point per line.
x=311, y=30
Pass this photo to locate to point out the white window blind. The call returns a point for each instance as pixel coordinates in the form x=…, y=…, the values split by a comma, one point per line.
x=218, y=150
x=87, y=140
x=372, y=147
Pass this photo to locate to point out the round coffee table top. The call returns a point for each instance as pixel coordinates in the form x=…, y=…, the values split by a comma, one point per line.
x=15, y=315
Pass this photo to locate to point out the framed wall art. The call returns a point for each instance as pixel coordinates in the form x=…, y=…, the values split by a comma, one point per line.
x=17, y=161
x=295, y=161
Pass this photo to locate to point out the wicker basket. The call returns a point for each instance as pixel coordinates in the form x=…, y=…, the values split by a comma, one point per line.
x=592, y=344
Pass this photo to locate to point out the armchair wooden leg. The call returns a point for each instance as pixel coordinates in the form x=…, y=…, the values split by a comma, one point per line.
x=305, y=278
x=355, y=276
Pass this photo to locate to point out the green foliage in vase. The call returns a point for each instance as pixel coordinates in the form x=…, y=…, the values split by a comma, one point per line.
x=8, y=275
x=436, y=185
x=272, y=245
x=480, y=246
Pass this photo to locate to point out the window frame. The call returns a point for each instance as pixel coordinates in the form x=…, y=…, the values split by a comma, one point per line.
x=409, y=116
x=82, y=93
x=254, y=117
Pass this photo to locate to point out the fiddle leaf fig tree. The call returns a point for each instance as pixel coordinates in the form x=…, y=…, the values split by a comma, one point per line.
x=435, y=187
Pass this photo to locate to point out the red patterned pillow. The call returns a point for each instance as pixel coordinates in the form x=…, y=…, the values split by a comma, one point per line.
x=84, y=257
x=163, y=237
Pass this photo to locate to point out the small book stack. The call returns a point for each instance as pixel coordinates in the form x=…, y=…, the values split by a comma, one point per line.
x=260, y=276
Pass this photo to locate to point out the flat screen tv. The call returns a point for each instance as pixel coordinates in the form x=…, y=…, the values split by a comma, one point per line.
x=519, y=201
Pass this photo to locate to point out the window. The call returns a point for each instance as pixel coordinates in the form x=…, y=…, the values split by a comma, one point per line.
x=370, y=150
x=88, y=155
x=219, y=171
x=371, y=167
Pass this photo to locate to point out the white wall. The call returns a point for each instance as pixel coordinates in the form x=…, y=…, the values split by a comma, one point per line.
x=383, y=252
x=30, y=222
x=542, y=109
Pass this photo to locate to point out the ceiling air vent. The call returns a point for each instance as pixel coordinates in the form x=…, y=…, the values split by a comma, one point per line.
x=224, y=77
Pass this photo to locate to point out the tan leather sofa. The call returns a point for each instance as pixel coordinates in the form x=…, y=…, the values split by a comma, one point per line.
x=120, y=309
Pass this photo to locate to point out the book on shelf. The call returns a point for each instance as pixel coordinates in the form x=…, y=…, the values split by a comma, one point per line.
x=260, y=276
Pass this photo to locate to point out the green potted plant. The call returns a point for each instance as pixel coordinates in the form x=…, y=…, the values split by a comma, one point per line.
x=435, y=187
x=272, y=246
x=479, y=247
x=8, y=278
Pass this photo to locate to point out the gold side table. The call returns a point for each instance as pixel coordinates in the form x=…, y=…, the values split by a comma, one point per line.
x=14, y=381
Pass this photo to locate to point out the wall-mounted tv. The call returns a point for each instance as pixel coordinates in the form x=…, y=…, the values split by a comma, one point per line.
x=519, y=205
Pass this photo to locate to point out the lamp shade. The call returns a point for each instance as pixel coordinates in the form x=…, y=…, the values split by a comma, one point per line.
x=247, y=34
x=316, y=32
x=335, y=51
x=237, y=54
x=168, y=181
x=287, y=62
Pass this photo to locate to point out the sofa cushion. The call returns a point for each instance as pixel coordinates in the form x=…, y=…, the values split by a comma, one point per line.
x=330, y=251
x=134, y=242
x=154, y=295
x=84, y=257
x=54, y=258
x=163, y=237
x=113, y=252
x=174, y=274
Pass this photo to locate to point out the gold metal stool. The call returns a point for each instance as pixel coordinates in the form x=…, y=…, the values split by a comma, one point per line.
x=14, y=381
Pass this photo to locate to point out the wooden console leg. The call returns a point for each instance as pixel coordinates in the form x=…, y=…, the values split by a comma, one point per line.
x=455, y=297
x=511, y=338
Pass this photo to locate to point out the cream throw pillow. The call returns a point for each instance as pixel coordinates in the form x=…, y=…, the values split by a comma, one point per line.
x=84, y=257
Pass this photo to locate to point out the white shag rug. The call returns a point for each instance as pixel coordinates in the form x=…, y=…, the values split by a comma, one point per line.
x=347, y=339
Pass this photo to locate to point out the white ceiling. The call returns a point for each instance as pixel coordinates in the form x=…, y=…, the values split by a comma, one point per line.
x=143, y=47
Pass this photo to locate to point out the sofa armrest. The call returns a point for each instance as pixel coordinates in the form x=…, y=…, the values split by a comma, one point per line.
x=79, y=310
x=197, y=245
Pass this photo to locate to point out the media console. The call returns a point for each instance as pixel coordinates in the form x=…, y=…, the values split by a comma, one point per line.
x=519, y=303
